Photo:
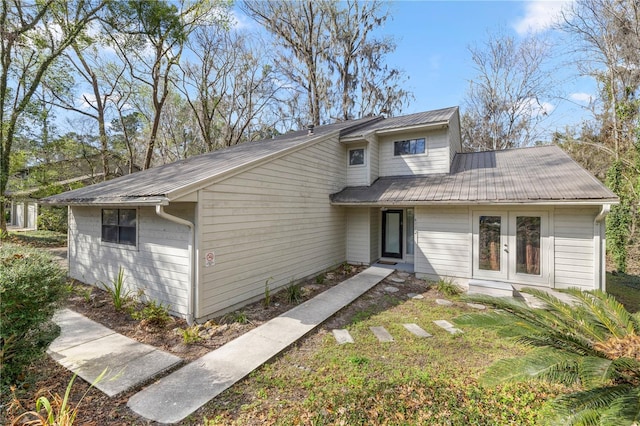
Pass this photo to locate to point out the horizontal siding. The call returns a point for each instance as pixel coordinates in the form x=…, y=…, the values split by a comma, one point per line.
x=436, y=159
x=272, y=222
x=375, y=241
x=358, y=247
x=374, y=157
x=574, y=247
x=358, y=175
x=443, y=245
x=158, y=266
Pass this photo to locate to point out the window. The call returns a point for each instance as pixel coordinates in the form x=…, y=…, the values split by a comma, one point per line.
x=409, y=147
x=119, y=226
x=356, y=157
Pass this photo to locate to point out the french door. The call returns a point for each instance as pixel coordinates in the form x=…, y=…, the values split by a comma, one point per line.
x=511, y=246
x=392, y=233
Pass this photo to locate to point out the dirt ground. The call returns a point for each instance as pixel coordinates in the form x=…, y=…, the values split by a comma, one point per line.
x=98, y=409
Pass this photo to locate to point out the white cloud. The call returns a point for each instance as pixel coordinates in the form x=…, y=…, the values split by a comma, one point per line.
x=540, y=15
x=240, y=21
x=533, y=108
x=581, y=97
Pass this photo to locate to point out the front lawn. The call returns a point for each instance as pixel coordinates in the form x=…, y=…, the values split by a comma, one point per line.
x=625, y=288
x=41, y=239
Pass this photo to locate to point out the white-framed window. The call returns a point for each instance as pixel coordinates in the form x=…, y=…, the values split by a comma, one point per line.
x=356, y=157
x=119, y=226
x=410, y=147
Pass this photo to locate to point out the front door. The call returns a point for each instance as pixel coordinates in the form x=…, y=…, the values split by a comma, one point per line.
x=392, y=233
x=510, y=246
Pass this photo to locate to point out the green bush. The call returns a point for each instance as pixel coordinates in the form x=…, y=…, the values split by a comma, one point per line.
x=53, y=219
x=154, y=314
x=31, y=286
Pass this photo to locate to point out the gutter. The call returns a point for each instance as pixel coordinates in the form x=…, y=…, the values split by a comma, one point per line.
x=192, y=259
x=599, y=243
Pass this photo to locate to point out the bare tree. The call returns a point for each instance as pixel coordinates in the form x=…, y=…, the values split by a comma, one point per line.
x=506, y=99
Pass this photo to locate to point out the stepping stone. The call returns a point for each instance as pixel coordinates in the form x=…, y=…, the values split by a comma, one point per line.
x=443, y=302
x=397, y=280
x=447, y=326
x=391, y=289
x=382, y=334
x=476, y=306
x=415, y=296
x=403, y=274
x=342, y=336
x=415, y=329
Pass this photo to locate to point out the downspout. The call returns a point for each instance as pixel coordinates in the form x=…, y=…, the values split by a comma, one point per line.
x=600, y=247
x=192, y=259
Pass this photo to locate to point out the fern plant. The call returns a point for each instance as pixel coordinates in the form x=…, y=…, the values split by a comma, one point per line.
x=593, y=343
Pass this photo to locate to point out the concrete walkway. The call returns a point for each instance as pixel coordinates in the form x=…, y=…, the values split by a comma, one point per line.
x=179, y=394
x=87, y=348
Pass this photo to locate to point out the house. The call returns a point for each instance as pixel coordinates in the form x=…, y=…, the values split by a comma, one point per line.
x=204, y=235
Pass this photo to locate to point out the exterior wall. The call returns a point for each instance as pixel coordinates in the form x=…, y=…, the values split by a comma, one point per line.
x=455, y=141
x=158, y=265
x=24, y=214
x=358, y=235
x=443, y=238
x=574, y=247
x=273, y=222
x=374, y=240
x=435, y=159
x=358, y=175
x=374, y=159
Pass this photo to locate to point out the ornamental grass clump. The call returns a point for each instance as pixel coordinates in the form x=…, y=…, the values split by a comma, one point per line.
x=592, y=343
x=31, y=288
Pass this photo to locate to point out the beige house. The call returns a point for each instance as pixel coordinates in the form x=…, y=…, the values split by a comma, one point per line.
x=203, y=235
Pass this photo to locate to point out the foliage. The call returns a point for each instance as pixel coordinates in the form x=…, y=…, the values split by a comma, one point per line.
x=592, y=342
x=619, y=219
x=267, y=293
x=320, y=279
x=626, y=289
x=293, y=293
x=31, y=287
x=118, y=291
x=448, y=287
x=39, y=238
x=57, y=412
x=152, y=313
x=239, y=317
x=190, y=335
x=53, y=219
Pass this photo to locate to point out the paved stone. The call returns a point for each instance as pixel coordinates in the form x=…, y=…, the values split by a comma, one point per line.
x=447, y=326
x=391, y=289
x=176, y=396
x=415, y=296
x=342, y=336
x=443, y=302
x=88, y=348
x=397, y=280
x=404, y=275
x=477, y=306
x=416, y=330
x=382, y=334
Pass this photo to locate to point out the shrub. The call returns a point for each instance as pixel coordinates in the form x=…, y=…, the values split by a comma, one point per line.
x=448, y=287
x=31, y=286
x=118, y=291
x=294, y=293
x=53, y=219
x=155, y=314
x=190, y=334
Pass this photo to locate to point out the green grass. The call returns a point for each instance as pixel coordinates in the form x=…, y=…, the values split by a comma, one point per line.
x=625, y=288
x=408, y=381
x=39, y=238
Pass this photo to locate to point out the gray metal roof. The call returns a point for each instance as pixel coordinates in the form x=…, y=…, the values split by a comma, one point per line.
x=539, y=174
x=419, y=119
x=163, y=183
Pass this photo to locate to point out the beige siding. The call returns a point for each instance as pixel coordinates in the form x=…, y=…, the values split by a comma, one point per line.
x=358, y=175
x=435, y=160
x=358, y=235
x=374, y=157
x=158, y=265
x=374, y=214
x=455, y=143
x=271, y=222
x=574, y=247
x=443, y=243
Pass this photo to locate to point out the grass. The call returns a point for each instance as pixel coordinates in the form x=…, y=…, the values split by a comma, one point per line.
x=39, y=238
x=625, y=288
x=408, y=381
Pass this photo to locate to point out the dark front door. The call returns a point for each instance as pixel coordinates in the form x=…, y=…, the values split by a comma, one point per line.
x=392, y=233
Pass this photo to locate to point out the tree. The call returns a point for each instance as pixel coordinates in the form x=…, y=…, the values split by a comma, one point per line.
x=593, y=343
x=608, y=34
x=30, y=44
x=506, y=99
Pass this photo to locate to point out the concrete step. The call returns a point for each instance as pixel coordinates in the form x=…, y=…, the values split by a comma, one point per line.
x=491, y=288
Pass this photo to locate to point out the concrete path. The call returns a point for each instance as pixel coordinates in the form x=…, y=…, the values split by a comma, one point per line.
x=87, y=348
x=179, y=394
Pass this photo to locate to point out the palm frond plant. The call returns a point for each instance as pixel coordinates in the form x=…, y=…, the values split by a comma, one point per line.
x=592, y=344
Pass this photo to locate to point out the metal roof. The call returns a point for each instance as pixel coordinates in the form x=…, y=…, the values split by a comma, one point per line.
x=526, y=175
x=412, y=120
x=163, y=183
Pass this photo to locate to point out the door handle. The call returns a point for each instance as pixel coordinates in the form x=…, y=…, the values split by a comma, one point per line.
x=506, y=248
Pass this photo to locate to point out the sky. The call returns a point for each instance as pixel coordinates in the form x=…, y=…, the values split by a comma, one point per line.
x=433, y=39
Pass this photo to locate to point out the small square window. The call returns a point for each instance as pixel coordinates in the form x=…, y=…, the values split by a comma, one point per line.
x=356, y=157
x=409, y=147
x=119, y=226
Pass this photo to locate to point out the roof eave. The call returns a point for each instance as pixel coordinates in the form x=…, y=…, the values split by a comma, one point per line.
x=109, y=202
x=584, y=202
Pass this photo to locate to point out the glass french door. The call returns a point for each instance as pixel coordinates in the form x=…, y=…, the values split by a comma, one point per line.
x=392, y=233
x=510, y=246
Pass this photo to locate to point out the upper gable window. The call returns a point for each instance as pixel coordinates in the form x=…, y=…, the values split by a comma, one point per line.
x=356, y=157
x=119, y=226
x=409, y=147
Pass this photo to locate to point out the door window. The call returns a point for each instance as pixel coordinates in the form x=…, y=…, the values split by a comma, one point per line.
x=489, y=231
x=392, y=233
x=528, y=245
